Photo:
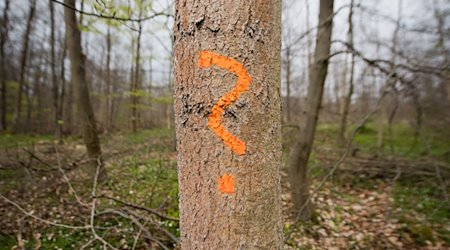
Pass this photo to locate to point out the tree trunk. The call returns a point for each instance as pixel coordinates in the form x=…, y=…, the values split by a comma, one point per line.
x=55, y=87
x=108, y=80
x=299, y=155
x=62, y=94
x=348, y=97
x=133, y=83
x=380, y=125
x=39, y=121
x=83, y=100
x=228, y=123
x=150, y=85
x=23, y=65
x=137, y=84
x=3, y=39
x=389, y=84
x=288, y=84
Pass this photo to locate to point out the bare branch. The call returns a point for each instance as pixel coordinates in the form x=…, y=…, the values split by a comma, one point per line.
x=113, y=17
x=152, y=211
x=41, y=219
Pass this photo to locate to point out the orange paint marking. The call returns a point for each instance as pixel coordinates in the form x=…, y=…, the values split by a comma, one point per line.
x=208, y=59
x=226, y=184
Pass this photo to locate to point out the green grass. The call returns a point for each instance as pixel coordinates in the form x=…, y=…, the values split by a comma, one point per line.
x=147, y=177
x=21, y=140
x=404, y=143
x=144, y=136
x=426, y=199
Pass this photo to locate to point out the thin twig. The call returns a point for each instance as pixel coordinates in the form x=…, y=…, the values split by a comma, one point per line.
x=113, y=17
x=160, y=215
x=66, y=179
x=93, y=205
x=41, y=219
x=340, y=161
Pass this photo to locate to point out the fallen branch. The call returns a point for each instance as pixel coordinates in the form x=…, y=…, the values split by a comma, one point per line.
x=152, y=211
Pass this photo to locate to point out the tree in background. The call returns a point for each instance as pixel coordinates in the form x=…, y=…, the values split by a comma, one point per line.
x=348, y=96
x=57, y=115
x=136, y=84
x=23, y=65
x=300, y=152
x=228, y=138
x=3, y=38
x=83, y=100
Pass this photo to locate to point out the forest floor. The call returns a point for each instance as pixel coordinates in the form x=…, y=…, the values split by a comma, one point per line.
x=391, y=199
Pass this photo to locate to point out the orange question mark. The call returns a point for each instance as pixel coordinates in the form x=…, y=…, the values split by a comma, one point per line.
x=208, y=59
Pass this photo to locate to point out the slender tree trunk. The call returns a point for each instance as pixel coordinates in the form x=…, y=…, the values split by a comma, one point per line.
x=23, y=65
x=440, y=19
x=137, y=83
x=78, y=74
x=380, y=125
x=228, y=123
x=3, y=40
x=29, y=104
x=343, y=86
x=69, y=108
x=299, y=155
x=38, y=94
x=348, y=97
x=150, y=93
x=389, y=84
x=133, y=83
x=336, y=76
x=169, y=108
x=55, y=87
x=308, y=37
x=288, y=84
x=62, y=94
x=108, y=80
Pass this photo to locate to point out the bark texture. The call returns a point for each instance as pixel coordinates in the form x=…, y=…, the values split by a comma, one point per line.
x=83, y=100
x=299, y=155
x=229, y=196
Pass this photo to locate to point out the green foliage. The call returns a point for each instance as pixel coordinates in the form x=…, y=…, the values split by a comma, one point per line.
x=149, y=135
x=404, y=142
x=412, y=199
x=7, y=241
x=425, y=198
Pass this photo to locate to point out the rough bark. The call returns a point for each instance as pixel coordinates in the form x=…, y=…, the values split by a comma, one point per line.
x=348, y=96
x=23, y=65
x=299, y=155
x=229, y=190
x=3, y=40
x=86, y=114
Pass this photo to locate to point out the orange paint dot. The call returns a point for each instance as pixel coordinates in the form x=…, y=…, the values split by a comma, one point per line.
x=226, y=184
x=208, y=59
